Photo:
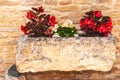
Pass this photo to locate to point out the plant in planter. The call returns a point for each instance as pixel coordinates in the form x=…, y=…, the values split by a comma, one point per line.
x=66, y=29
x=40, y=24
x=94, y=24
x=64, y=51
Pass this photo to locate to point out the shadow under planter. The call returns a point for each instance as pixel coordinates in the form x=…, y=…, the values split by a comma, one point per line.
x=13, y=74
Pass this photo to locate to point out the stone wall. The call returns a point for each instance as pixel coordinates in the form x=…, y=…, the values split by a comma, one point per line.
x=12, y=15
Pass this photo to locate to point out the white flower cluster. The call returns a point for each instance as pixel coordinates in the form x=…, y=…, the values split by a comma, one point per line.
x=66, y=23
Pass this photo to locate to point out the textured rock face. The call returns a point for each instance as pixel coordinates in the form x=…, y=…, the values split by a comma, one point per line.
x=65, y=54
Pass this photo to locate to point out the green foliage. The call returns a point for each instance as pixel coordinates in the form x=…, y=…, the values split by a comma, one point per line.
x=66, y=31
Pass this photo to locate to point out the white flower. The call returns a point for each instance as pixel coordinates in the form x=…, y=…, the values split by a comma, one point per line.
x=56, y=35
x=67, y=23
x=76, y=35
x=55, y=28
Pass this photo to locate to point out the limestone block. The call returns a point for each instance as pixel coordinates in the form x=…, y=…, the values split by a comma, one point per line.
x=11, y=19
x=66, y=8
x=108, y=2
x=117, y=6
x=65, y=2
x=65, y=54
x=1, y=78
x=83, y=1
x=1, y=60
x=51, y=2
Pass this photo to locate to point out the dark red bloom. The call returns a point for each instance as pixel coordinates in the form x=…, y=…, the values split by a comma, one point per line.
x=83, y=22
x=106, y=34
x=41, y=9
x=91, y=24
x=48, y=32
x=39, y=24
x=94, y=24
x=52, y=21
x=87, y=22
x=102, y=29
x=97, y=14
x=39, y=21
x=110, y=27
x=108, y=23
x=23, y=29
x=30, y=15
x=40, y=30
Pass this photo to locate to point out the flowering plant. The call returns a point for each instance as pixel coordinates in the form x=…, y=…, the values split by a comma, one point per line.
x=94, y=24
x=39, y=24
x=66, y=29
x=45, y=25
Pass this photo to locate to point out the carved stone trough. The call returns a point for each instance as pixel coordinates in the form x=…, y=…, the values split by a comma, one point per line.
x=65, y=54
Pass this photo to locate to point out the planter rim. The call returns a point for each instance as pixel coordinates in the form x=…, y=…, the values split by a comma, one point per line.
x=25, y=37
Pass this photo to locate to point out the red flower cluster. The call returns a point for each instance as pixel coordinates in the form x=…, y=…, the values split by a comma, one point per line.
x=41, y=9
x=39, y=24
x=52, y=21
x=94, y=24
x=30, y=14
x=97, y=14
x=23, y=29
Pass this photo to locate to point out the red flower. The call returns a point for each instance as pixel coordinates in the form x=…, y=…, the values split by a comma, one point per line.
x=49, y=33
x=102, y=29
x=23, y=29
x=30, y=15
x=41, y=9
x=108, y=23
x=94, y=24
x=83, y=22
x=106, y=34
x=88, y=22
x=40, y=30
x=110, y=27
x=39, y=21
x=97, y=14
x=52, y=21
x=91, y=24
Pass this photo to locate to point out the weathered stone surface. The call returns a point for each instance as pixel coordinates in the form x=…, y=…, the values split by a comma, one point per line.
x=65, y=2
x=117, y=34
x=31, y=2
x=117, y=7
x=1, y=60
x=11, y=19
x=83, y=1
x=51, y=2
x=75, y=16
x=113, y=14
x=109, y=2
x=2, y=78
x=65, y=54
x=67, y=8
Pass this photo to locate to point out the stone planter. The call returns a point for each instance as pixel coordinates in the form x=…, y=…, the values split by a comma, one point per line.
x=65, y=54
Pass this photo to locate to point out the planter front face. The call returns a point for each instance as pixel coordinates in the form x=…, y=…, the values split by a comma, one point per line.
x=65, y=54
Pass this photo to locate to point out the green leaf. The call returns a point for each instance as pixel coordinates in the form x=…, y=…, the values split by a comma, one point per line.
x=66, y=31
